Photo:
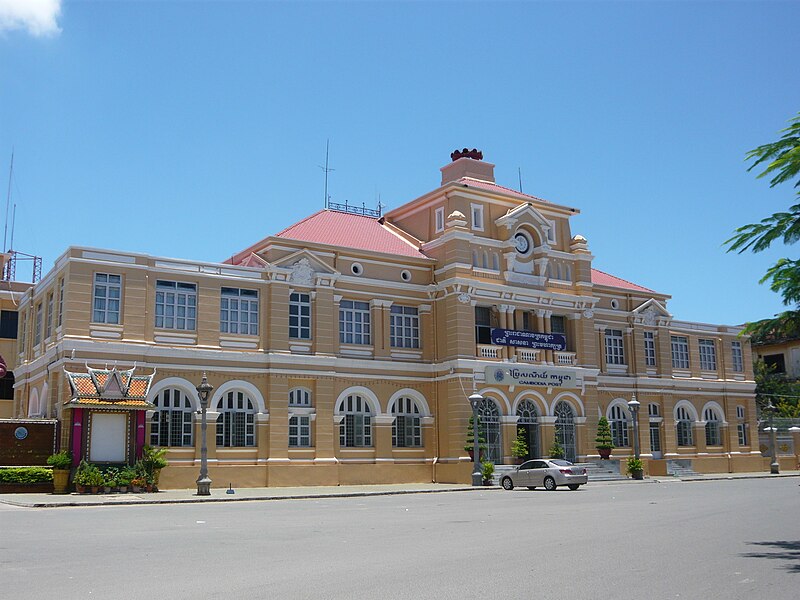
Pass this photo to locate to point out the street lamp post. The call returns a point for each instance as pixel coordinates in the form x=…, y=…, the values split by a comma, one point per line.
x=477, y=477
x=634, y=406
x=204, y=481
x=774, y=467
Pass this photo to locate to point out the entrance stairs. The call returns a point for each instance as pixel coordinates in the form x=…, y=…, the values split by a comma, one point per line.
x=603, y=470
x=681, y=468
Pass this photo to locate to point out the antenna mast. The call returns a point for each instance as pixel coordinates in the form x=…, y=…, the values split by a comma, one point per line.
x=327, y=170
x=8, y=200
x=519, y=172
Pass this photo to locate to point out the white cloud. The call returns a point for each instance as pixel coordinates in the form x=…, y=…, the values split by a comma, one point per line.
x=37, y=16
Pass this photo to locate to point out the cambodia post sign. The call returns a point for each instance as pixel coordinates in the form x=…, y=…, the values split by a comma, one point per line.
x=528, y=339
x=558, y=377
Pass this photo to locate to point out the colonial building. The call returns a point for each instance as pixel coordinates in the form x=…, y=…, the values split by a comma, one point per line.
x=344, y=348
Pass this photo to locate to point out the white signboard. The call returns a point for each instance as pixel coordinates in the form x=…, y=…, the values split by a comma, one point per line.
x=558, y=377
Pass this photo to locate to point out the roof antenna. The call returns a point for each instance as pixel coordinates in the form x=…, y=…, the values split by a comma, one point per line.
x=8, y=200
x=519, y=172
x=327, y=170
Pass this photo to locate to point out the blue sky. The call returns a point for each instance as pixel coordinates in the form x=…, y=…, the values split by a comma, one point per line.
x=192, y=130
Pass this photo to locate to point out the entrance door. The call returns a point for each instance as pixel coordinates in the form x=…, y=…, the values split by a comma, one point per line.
x=528, y=426
x=108, y=439
x=655, y=440
x=565, y=429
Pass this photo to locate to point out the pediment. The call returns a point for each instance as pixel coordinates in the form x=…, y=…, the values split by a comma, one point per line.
x=254, y=260
x=651, y=313
x=524, y=213
x=303, y=267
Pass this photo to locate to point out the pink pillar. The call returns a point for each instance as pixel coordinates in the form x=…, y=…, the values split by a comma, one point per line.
x=77, y=435
x=140, y=429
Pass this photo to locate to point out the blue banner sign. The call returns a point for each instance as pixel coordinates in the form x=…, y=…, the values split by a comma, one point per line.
x=529, y=339
x=557, y=377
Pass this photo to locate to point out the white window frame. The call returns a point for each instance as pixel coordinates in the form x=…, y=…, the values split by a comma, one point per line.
x=684, y=425
x=106, y=298
x=37, y=329
x=618, y=421
x=174, y=411
x=300, y=431
x=615, y=347
x=713, y=434
x=300, y=397
x=439, y=219
x=650, y=348
x=737, y=358
x=404, y=326
x=679, y=346
x=300, y=316
x=708, y=354
x=355, y=429
x=48, y=329
x=355, y=316
x=238, y=311
x=476, y=214
x=552, y=238
x=176, y=305
x=60, y=303
x=407, y=424
x=236, y=423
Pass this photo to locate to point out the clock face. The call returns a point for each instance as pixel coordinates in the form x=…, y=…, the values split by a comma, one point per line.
x=523, y=245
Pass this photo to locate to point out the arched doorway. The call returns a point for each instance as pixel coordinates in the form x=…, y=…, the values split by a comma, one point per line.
x=528, y=427
x=489, y=416
x=565, y=429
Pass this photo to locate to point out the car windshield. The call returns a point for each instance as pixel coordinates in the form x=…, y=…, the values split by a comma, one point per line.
x=561, y=463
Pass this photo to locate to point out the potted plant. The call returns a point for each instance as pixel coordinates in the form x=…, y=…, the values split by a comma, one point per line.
x=81, y=476
x=137, y=483
x=110, y=482
x=519, y=447
x=556, y=450
x=124, y=479
x=471, y=439
x=94, y=479
x=604, y=442
x=61, y=463
x=487, y=471
x=635, y=468
x=153, y=461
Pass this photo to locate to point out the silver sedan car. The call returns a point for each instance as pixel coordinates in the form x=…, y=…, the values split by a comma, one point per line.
x=548, y=473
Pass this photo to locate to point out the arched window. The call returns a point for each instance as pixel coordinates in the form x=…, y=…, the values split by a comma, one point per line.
x=355, y=430
x=683, y=423
x=495, y=261
x=565, y=429
x=528, y=426
x=619, y=426
x=489, y=416
x=236, y=426
x=406, y=427
x=171, y=424
x=7, y=386
x=485, y=259
x=300, y=417
x=741, y=426
x=33, y=403
x=713, y=437
x=474, y=258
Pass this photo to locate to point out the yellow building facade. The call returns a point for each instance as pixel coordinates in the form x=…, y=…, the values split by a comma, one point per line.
x=343, y=349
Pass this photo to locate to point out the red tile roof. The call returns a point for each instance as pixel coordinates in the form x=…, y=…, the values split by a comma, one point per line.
x=602, y=278
x=350, y=231
x=493, y=187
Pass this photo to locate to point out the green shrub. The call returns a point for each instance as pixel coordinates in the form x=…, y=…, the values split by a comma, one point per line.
x=519, y=447
x=26, y=475
x=88, y=475
x=487, y=470
x=556, y=450
x=603, y=441
x=61, y=460
x=634, y=464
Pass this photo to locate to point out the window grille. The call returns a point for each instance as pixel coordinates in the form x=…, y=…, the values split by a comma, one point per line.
x=708, y=355
x=300, y=316
x=406, y=428
x=737, y=357
x=171, y=424
x=615, y=352
x=354, y=322
x=238, y=311
x=236, y=421
x=404, y=327
x=649, y=349
x=680, y=352
x=176, y=305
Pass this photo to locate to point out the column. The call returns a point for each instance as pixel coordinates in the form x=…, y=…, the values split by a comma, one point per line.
x=325, y=325
x=326, y=433
x=382, y=432
x=380, y=328
x=426, y=332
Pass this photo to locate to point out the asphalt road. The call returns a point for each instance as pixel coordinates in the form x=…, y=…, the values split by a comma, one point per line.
x=706, y=540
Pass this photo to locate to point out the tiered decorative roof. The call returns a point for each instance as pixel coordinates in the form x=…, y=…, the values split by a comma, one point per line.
x=109, y=388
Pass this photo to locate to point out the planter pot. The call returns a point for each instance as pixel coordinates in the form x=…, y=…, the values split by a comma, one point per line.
x=60, y=481
x=487, y=482
x=518, y=460
x=106, y=489
x=604, y=453
x=81, y=489
x=136, y=489
x=94, y=489
x=148, y=487
x=637, y=474
x=123, y=489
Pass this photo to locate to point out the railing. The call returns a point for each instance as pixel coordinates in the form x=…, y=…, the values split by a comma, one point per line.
x=528, y=355
x=564, y=358
x=485, y=351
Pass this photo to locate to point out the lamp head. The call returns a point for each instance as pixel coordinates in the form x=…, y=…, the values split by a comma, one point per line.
x=475, y=399
x=204, y=390
x=634, y=404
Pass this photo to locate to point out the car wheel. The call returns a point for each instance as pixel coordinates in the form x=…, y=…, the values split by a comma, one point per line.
x=549, y=484
x=531, y=487
x=507, y=483
x=574, y=486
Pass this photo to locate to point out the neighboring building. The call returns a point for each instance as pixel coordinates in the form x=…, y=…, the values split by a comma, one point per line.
x=11, y=293
x=343, y=349
x=780, y=352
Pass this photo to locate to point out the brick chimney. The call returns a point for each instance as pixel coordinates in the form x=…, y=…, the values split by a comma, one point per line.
x=467, y=163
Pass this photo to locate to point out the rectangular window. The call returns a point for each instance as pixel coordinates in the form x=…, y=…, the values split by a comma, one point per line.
x=526, y=321
x=23, y=336
x=685, y=433
x=439, y=219
x=60, y=303
x=551, y=232
x=736, y=354
x=483, y=325
x=48, y=330
x=680, y=352
x=300, y=316
x=355, y=431
x=655, y=438
x=477, y=217
x=238, y=311
x=742, y=431
x=406, y=432
x=300, y=432
x=8, y=324
x=404, y=327
x=649, y=348
x=708, y=355
x=558, y=324
x=37, y=331
x=354, y=322
x=107, y=294
x=615, y=353
x=176, y=305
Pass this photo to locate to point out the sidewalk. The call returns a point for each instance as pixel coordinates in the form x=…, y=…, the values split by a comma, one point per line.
x=304, y=493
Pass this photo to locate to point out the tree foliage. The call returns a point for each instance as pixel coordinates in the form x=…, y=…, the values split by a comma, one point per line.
x=775, y=387
x=781, y=162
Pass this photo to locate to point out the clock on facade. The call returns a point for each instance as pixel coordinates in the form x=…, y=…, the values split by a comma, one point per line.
x=522, y=242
